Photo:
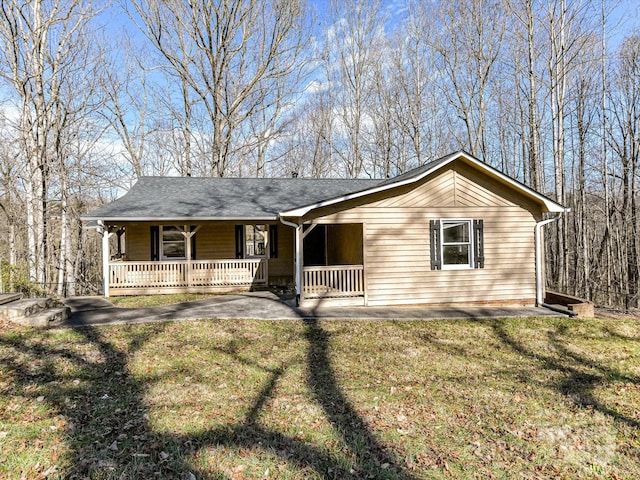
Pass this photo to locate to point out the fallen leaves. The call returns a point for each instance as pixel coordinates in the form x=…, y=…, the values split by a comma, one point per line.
x=177, y=406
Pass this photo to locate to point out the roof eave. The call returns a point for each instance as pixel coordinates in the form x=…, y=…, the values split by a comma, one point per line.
x=179, y=219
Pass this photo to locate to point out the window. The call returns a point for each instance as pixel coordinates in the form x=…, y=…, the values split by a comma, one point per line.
x=252, y=241
x=173, y=243
x=169, y=243
x=457, y=244
x=255, y=240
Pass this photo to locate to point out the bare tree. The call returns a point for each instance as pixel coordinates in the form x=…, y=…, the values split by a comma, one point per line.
x=352, y=50
x=583, y=115
x=230, y=55
x=468, y=43
x=127, y=109
x=568, y=31
x=418, y=111
x=625, y=142
x=528, y=79
x=40, y=44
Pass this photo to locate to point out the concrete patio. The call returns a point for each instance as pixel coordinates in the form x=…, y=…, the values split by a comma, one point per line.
x=268, y=306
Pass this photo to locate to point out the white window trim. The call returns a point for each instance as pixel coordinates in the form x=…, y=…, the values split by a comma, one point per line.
x=467, y=266
x=162, y=256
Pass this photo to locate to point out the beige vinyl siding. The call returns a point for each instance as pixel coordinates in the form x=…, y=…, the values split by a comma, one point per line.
x=281, y=268
x=216, y=241
x=460, y=185
x=344, y=244
x=138, y=242
x=397, y=244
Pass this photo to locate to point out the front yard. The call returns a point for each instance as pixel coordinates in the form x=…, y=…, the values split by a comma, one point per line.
x=533, y=398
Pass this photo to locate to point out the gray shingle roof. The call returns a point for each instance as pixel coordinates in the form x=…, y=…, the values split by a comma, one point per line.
x=181, y=198
x=416, y=172
x=177, y=198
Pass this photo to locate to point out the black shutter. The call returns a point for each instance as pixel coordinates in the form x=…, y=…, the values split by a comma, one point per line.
x=193, y=242
x=436, y=261
x=155, y=242
x=239, y=241
x=478, y=235
x=273, y=241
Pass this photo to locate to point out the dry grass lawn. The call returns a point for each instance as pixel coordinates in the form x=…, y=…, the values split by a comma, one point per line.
x=532, y=398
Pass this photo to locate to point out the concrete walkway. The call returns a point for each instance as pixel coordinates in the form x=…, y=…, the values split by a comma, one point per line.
x=267, y=306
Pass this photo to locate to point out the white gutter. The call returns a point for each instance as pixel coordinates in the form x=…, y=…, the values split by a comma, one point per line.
x=539, y=279
x=298, y=256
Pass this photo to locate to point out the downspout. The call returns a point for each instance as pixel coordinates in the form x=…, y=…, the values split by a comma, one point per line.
x=298, y=229
x=539, y=279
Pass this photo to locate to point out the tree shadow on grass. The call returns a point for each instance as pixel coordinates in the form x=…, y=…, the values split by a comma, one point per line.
x=580, y=376
x=371, y=460
x=107, y=423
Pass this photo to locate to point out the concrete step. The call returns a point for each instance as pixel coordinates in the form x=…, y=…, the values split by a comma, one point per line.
x=47, y=318
x=25, y=307
x=9, y=297
x=34, y=312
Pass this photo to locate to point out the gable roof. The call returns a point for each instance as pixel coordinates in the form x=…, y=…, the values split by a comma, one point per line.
x=195, y=198
x=417, y=174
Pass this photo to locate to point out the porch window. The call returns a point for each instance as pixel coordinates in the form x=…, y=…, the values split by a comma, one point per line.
x=255, y=240
x=457, y=244
x=173, y=243
x=252, y=240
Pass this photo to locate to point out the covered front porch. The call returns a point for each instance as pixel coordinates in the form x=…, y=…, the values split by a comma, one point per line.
x=181, y=276
x=144, y=278
x=142, y=258
x=329, y=267
x=332, y=265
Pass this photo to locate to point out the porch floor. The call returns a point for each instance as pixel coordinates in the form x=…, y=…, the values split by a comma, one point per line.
x=268, y=306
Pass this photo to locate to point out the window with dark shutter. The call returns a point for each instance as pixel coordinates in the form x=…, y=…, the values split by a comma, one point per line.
x=155, y=242
x=478, y=237
x=239, y=241
x=273, y=241
x=436, y=262
x=456, y=243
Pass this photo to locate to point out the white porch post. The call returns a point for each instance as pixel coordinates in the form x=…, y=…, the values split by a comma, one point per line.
x=188, y=234
x=105, y=257
x=299, y=239
x=298, y=259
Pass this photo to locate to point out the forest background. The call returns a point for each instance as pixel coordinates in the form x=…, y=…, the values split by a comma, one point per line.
x=95, y=94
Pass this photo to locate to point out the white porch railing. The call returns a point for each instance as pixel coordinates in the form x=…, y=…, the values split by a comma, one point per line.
x=333, y=281
x=183, y=273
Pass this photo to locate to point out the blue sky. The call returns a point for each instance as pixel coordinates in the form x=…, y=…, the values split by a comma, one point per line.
x=625, y=18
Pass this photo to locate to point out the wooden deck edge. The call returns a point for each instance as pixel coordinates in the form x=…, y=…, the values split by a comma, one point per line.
x=583, y=308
